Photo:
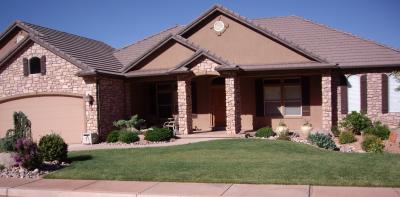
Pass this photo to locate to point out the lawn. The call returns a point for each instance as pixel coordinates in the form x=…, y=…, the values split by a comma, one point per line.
x=236, y=161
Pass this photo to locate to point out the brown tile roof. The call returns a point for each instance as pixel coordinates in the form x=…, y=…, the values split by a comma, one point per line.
x=132, y=52
x=335, y=46
x=92, y=53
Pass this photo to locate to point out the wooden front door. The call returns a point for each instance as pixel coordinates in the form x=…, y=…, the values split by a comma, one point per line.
x=218, y=107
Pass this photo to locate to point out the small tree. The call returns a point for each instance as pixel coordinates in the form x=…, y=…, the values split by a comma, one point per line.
x=22, y=130
x=132, y=124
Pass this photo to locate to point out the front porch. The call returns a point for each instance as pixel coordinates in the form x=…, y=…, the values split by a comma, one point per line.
x=204, y=100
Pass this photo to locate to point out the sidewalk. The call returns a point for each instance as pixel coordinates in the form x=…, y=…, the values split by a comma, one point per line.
x=93, y=188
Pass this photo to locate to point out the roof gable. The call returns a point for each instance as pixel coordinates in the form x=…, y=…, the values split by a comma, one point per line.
x=241, y=44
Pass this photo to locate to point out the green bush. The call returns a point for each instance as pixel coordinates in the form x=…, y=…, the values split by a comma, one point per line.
x=284, y=136
x=346, y=137
x=158, y=134
x=322, y=140
x=113, y=136
x=6, y=144
x=128, y=136
x=52, y=147
x=378, y=129
x=265, y=132
x=356, y=122
x=335, y=131
x=372, y=143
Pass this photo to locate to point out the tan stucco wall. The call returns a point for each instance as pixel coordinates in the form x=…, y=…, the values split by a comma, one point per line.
x=241, y=45
x=250, y=121
x=167, y=57
x=59, y=78
x=10, y=43
x=63, y=115
x=202, y=120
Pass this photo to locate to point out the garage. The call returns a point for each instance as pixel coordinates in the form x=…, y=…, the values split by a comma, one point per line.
x=63, y=115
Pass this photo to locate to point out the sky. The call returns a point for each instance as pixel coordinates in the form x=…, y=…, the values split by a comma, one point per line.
x=122, y=22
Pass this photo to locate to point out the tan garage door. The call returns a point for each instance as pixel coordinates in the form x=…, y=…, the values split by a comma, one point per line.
x=59, y=114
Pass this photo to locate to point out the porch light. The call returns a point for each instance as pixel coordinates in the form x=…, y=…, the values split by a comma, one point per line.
x=89, y=99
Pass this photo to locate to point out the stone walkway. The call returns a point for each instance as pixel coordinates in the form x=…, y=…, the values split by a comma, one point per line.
x=93, y=188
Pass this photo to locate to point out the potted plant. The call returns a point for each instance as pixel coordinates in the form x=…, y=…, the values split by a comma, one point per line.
x=306, y=128
x=282, y=128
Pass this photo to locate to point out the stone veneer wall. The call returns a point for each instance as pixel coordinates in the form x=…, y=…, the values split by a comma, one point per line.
x=232, y=101
x=205, y=67
x=374, y=100
x=112, y=103
x=184, y=105
x=60, y=78
x=326, y=85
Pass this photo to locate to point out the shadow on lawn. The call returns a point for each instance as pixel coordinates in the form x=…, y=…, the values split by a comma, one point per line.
x=80, y=158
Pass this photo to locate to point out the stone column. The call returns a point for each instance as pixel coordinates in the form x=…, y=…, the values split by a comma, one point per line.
x=91, y=114
x=232, y=100
x=184, y=105
x=329, y=85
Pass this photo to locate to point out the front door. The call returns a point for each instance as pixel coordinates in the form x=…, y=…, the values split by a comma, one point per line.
x=218, y=107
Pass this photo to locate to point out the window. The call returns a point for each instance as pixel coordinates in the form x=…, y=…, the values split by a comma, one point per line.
x=164, y=100
x=34, y=65
x=353, y=93
x=282, y=97
x=393, y=94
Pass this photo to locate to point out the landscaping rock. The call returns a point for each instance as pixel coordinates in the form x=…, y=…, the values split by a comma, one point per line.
x=7, y=160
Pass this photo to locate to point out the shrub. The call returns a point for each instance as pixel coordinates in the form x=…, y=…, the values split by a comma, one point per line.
x=372, y=143
x=284, y=136
x=322, y=140
x=113, y=136
x=158, y=134
x=27, y=154
x=265, y=132
x=133, y=123
x=22, y=129
x=356, y=122
x=378, y=129
x=335, y=131
x=6, y=145
x=346, y=137
x=128, y=136
x=52, y=147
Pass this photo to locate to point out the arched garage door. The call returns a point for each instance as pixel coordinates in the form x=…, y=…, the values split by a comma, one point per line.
x=59, y=114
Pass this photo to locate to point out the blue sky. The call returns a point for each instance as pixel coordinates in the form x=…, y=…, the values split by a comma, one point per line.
x=121, y=22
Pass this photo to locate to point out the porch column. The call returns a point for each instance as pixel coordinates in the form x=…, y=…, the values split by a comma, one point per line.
x=232, y=101
x=184, y=105
x=329, y=85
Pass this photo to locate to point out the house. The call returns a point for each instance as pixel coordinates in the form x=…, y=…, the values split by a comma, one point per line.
x=221, y=71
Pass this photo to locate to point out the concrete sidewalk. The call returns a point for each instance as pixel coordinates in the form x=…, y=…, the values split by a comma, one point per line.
x=93, y=188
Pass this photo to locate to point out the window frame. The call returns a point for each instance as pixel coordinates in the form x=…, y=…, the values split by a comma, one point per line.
x=390, y=78
x=282, y=84
x=348, y=93
x=38, y=65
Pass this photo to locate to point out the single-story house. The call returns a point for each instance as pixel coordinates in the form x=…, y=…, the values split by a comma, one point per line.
x=221, y=71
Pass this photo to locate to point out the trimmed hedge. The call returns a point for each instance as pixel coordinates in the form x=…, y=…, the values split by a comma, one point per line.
x=265, y=132
x=128, y=136
x=113, y=136
x=52, y=147
x=356, y=122
x=158, y=134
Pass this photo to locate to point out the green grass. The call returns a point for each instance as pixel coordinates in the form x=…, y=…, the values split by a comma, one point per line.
x=236, y=161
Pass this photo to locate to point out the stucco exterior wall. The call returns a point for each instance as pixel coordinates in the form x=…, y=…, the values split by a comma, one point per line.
x=59, y=78
x=241, y=45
